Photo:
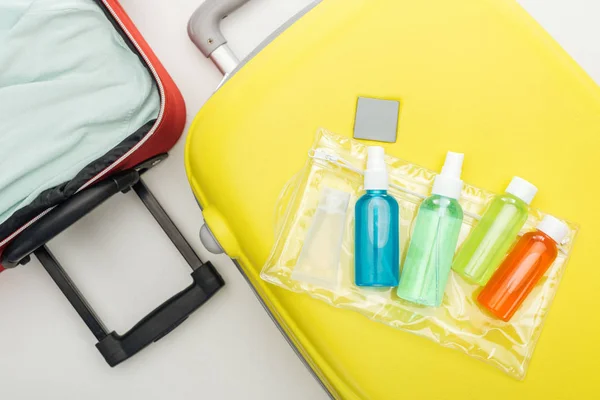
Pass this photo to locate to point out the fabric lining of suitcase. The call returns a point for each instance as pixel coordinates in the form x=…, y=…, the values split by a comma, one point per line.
x=56, y=195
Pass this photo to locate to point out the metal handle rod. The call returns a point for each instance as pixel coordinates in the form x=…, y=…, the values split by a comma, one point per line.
x=167, y=225
x=71, y=292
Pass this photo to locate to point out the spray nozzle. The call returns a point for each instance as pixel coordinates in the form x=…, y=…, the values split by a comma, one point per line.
x=448, y=182
x=453, y=165
x=376, y=157
x=376, y=177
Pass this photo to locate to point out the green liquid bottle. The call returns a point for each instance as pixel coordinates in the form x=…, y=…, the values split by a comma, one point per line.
x=434, y=238
x=492, y=237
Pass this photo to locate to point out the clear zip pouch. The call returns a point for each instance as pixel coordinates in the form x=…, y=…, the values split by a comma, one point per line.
x=336, y=162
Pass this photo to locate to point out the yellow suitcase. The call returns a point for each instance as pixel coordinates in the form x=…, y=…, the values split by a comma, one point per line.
x=475, y=75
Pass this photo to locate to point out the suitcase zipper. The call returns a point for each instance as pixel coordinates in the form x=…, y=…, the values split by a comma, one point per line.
x=161, y=90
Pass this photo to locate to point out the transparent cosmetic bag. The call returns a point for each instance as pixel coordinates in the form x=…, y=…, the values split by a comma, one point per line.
x=335, y=166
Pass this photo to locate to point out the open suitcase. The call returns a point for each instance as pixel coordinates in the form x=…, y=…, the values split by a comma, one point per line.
x=29, y=227
x=480, y=76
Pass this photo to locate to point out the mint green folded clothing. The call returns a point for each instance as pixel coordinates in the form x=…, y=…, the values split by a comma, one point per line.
x=70, y=91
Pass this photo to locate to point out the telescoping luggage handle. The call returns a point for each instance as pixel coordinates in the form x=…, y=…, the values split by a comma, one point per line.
x=205, y=31
x=114, y=347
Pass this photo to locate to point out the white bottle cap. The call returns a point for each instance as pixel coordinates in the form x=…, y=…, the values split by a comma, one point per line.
x=554, y=228
x=522, y=189
x=376, y=177
x=448, y=183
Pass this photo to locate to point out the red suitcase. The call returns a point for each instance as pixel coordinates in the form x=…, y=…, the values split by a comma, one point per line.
x=28, y=231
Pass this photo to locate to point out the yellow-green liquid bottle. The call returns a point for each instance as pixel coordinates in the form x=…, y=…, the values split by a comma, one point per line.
x=492, y=237
x=434, y=238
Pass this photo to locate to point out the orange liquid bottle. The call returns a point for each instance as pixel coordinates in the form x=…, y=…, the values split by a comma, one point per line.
x=522, y=269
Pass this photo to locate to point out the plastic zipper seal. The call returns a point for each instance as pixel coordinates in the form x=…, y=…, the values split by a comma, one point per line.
x=334, y=159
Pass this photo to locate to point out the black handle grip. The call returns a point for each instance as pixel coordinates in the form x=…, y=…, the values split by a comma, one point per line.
x=65, y=215
x=117, y=348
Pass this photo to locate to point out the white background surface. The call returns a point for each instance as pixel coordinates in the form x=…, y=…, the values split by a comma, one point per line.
x=126, y=266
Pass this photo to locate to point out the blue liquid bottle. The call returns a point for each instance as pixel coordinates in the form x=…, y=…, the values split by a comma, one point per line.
x=377, y=238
